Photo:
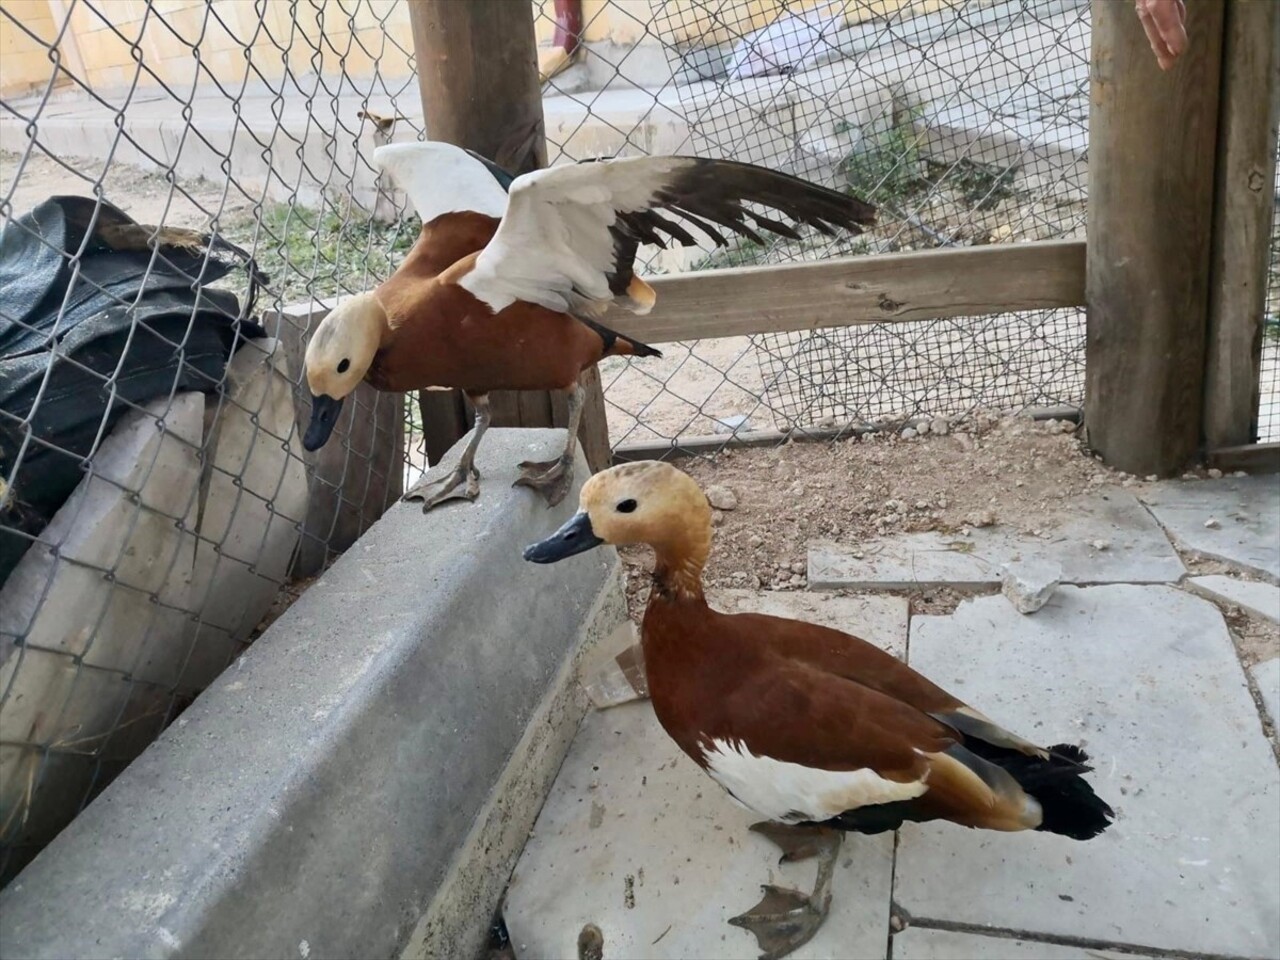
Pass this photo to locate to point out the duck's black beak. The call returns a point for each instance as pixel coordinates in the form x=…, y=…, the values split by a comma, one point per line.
x=576, y=536
x=324, y=415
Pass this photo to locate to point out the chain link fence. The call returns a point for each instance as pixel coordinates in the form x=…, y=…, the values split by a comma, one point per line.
x=220, y=150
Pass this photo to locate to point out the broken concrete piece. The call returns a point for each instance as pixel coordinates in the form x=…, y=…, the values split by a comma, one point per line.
x=1138, y=676
x=1137, y=551
x=1252, y=596
x=1246, y=511
x=1028, y=584
x=1267, y=676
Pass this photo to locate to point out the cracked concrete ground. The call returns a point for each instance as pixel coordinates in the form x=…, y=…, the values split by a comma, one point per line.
x=1161, y=662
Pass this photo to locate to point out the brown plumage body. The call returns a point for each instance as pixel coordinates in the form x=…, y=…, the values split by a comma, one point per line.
x=439, y=335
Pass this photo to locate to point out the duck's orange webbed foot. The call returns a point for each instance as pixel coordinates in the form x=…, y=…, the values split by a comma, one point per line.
x=551, y=478
x=436, y=492
x=785, y=920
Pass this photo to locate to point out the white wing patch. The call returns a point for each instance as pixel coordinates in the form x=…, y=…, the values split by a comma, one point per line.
x=441, y=178
x=553, y=246
x=790, y=792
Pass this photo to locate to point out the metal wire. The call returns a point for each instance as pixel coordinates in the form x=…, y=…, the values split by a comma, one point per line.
x=1269, y=382
x=965, y=124
x=965, y=121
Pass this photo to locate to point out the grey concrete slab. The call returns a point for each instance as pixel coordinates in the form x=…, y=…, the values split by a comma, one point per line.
x=1267, y=676
x=1106, y=537
x=1260, y=599
x=1236, y=519
x=918, y=943
x=637, y=840
x=315, y=798
x=629, y=804
x=1147, y=680
x=881, y=620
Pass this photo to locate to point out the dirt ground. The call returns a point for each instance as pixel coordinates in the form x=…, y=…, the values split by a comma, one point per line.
x=987, y=469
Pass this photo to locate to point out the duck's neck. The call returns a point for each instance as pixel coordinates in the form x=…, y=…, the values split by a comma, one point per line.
x=677, y=572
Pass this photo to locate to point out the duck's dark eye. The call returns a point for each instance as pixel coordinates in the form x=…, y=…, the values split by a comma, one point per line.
x=344, y=365
x=627, y=506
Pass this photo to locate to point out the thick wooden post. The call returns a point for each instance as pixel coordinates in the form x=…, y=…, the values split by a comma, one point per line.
x=1152, y=140
x=478, y=75
x=1246, y=170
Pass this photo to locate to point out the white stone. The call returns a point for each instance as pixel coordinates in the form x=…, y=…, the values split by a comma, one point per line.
x=1028, y=584
x=1248, y=509
x=737, y=423
x=1267, y=676
x=721, y=497
x=1260, y=599
x=1147, y=680
x=940, y=426
x=918, y=943
x=908, y=433
x=1139, y=551
x=253, y=500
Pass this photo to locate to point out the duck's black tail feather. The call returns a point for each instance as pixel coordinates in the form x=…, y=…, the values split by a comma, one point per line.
x=1071, y=808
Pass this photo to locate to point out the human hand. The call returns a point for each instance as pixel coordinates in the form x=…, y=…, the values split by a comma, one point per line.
x=1165, y=23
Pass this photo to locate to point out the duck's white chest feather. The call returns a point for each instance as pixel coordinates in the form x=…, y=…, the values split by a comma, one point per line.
x=791, y=793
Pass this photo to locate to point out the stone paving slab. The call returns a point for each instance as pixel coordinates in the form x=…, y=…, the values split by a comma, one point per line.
x=1246, y=511
x=1260, y=599
x=1136, y=551
x=1146, y=679
x=636, y=839
x=917, y=943
x=878, y=619
x=1267, y=676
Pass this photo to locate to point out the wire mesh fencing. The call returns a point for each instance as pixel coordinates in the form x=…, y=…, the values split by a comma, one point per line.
x=183, y=187
x=157, y=508
x=965, y=122
x=1269, y=380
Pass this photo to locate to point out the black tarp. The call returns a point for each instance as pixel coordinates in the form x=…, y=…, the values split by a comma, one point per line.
x=98, y=313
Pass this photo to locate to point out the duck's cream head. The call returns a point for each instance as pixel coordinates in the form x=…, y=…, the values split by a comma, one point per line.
x=338, y=356
x=646, y=502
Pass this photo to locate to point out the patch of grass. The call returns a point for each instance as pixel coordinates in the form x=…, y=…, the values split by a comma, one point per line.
x=321, y=254
x=982, y=185
x=887, y=169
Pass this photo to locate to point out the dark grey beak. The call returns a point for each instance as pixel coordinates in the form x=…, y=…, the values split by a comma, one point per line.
x=324, y=416
x=576, y=536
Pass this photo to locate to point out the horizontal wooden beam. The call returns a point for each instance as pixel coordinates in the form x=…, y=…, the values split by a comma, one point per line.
x=884, y=288
x=1253, y=457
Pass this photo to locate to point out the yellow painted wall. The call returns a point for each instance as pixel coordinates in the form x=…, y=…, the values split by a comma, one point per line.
x=380, y=39
x=24, y=61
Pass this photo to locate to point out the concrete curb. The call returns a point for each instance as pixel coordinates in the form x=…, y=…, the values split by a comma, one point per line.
x=354, y=764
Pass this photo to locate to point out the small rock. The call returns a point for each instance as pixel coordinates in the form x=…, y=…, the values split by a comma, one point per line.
x=717, y=518
x=1240, y=473
x=722, y=498
x=755, y=540
x=797, y=489
x=940, y=426
x=1212, y=523
x=798, y=566
x=736, y=423
x=1189, y=476
x=1101, y=544
x=1215, y=473
x=1028, y=584
x=1152, y=478
x=908, y=433
x=922, y=427
x=980, y=518
x=965, y=441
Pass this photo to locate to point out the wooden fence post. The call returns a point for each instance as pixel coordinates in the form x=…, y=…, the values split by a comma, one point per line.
x=478, y=76
x=1152, y=143
x=1246, y=170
